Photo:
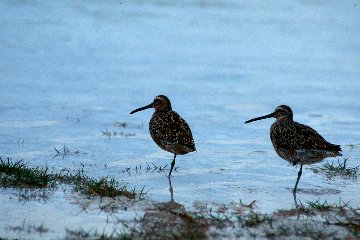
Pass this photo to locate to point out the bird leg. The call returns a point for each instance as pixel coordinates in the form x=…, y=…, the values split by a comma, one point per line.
x=298, y=178
x=171, y=190
x=172, y=165
x=295, y=200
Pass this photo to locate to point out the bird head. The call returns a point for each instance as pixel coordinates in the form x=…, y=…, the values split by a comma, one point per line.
x=282, y=111
x=160, y=103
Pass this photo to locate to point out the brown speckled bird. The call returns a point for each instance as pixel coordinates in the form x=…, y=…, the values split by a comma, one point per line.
x=295, y=142
x=168, y=130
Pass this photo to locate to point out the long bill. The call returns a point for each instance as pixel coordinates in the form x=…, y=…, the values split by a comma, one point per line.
x=142, y=108
x=260, y=118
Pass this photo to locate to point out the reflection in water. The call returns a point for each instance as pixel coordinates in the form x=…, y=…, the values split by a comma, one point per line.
x=315, y=192
x=295, y=142
x=170, y=220
x=39, y=195
x=295, y=200
x=171, y=190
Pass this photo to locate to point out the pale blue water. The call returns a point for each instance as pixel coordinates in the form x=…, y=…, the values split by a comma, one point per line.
x=69, y=69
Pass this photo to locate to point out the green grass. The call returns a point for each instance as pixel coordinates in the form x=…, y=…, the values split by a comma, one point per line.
x=68, y=177
x=17, y=174
x=321, y=206
x=103, y=187
x=337, y=169
x=254, y=219
x=341, y=168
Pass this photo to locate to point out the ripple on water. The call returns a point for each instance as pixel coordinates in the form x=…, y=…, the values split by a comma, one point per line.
x=28, y=124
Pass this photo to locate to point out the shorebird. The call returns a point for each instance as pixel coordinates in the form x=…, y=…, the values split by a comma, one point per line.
x=295, y=142
x=168, y=129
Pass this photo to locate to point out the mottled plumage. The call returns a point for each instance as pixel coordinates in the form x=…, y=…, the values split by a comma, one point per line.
x=171, y=132
x=168, y=129
x=297, y=143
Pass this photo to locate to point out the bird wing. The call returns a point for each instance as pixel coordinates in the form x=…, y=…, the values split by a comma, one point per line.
x=297, y=136
x=171, y=129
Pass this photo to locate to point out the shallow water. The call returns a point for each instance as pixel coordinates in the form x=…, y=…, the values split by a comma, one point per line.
x=70, y=69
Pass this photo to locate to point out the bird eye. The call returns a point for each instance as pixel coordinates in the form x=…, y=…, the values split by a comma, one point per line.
x=280, y=111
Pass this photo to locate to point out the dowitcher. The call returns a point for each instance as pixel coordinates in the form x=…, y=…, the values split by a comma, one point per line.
x=295, y=142
x=168, y=129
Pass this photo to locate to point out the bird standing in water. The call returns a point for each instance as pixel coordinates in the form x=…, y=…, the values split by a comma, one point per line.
x=168, y=129
x=295, y=142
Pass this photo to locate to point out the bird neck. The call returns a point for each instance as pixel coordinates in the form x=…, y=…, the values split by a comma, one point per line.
x=284, y=118
x=163, y=109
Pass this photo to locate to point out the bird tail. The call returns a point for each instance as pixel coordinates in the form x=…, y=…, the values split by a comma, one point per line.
x=336, y=149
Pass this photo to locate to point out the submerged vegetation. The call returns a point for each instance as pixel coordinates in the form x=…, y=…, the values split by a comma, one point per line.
x=110, y=134
x=103, y=187
x=321, y=206
x=332, y=214
x=124, y=132
x=334, y=169
x=28, y=228
x=170, y=220
x=94, y=235
x=65, y=151
x=92, y=187
x=18, y=174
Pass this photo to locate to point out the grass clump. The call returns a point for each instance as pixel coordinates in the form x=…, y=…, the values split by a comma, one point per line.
x=68, y=177
x=254, y=219
x=19, y=175
x=94, y=235
x=321, y=206
x=103, y=187
x=337, y=169
x=341, y=168
x=300, y=210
